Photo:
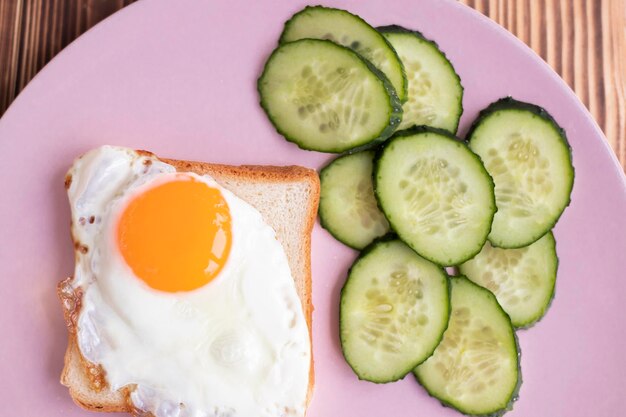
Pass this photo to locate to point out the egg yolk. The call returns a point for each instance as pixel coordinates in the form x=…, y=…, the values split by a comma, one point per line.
x=176, y=236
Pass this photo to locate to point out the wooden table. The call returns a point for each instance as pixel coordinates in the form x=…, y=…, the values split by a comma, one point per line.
x=583, y=40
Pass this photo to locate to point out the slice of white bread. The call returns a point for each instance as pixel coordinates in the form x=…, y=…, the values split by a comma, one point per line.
x=287, y=198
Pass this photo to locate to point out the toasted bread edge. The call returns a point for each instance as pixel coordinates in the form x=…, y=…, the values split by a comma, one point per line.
x=75, y=374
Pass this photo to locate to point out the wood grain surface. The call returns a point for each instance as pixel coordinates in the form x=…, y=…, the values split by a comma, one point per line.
x=583, y=40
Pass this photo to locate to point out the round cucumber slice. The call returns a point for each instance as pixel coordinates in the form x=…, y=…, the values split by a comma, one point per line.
x=521, y=279
x=475, y=368
x=527, y=154
x=348, y=208
x=435, y=93
x=325, y=97
x=347, y=29
x=435, y=194
x=393, y=312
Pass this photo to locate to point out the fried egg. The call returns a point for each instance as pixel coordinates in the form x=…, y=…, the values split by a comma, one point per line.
x=187, y=294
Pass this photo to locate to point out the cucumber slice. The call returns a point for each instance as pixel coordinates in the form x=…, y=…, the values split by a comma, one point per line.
x=347, y=29
x=325, y=97
x=348, y=208
x=393, y=312
x=435, y=92
x=435, y=194
x=475, y=368
x=527, y=154
x=521, y=279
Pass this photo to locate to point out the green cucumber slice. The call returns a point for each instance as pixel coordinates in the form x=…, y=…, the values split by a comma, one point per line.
x=394, y=309
x=325, y=97
x=475, y=368
x=435, y=194
x=347, y=29
x=348, y=208
x=527, y=154
x=435, y=93
x=521, y=279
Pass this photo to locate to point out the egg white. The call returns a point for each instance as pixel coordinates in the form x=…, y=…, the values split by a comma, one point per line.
x=238, y=347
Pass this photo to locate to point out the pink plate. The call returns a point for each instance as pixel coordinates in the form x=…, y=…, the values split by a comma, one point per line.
x=178, y=78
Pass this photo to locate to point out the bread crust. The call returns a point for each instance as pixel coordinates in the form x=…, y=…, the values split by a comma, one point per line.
x=87, y=381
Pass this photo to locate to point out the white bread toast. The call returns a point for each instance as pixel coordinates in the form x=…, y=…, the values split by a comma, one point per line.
x=287, y=198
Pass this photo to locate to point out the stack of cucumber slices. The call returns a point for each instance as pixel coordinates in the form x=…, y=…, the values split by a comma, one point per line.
x=415, y=200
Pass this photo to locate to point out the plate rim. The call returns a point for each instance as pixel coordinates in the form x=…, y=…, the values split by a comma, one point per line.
x=470, y=12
